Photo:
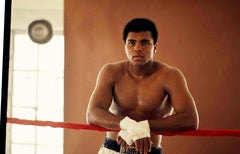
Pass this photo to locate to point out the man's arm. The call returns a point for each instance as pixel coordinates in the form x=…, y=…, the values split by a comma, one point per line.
x=100, y=101
x=98, y=109
x=186, y=115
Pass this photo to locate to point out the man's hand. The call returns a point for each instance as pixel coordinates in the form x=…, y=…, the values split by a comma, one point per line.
x=137, y=132
x=124, y=138
x=124, y=143
x=143, y=145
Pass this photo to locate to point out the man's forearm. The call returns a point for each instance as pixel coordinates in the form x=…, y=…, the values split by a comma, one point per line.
x=103, y=118
x=176, y=122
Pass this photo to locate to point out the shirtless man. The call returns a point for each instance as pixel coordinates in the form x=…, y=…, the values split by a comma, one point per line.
x=140, y=96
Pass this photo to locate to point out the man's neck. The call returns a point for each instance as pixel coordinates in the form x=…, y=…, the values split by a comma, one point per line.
x=141, y=71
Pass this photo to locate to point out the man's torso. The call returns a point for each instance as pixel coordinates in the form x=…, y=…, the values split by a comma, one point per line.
x=140, y=98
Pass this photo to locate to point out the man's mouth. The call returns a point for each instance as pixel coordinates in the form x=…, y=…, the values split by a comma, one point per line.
x=138, y=56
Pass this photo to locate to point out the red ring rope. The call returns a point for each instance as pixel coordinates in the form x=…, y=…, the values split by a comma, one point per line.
x=68, y=125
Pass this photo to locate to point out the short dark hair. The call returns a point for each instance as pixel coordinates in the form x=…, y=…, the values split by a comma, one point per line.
x=138, y=25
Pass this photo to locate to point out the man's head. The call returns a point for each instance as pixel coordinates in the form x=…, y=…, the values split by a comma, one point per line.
x=138, y=25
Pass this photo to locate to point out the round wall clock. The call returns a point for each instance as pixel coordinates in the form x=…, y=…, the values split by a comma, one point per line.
x=40, y=31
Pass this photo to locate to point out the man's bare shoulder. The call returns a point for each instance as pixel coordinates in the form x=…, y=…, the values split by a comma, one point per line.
x=168, y=71
x=114, y=69
x=171, y=76
x=117, y=66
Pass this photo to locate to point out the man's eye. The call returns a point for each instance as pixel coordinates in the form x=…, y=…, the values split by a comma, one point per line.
x=131, y=42
x=145, y=42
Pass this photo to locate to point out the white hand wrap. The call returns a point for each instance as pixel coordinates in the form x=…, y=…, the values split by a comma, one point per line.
x=136, y=130
x=140, y=130
x=127, y=122
x=125, y=135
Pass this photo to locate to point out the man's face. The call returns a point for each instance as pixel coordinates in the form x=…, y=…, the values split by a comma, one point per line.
x=139, y=47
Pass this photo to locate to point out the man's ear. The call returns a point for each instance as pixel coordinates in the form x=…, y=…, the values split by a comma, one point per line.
x=155, y=48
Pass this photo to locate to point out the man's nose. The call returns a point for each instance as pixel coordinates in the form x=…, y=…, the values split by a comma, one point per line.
x=138, y=46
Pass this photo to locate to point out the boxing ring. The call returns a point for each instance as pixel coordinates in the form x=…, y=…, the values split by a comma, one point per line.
x=77, y=126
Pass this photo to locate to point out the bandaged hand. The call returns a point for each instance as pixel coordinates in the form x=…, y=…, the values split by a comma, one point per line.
x=124, y=139
x=132, y=130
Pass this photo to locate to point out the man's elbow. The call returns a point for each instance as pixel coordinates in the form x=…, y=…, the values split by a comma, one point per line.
x=194, y=122
x=89, y=118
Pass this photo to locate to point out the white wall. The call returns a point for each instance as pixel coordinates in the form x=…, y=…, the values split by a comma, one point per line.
x=26, y=11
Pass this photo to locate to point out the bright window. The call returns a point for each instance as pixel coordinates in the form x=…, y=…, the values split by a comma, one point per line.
x=37, y=94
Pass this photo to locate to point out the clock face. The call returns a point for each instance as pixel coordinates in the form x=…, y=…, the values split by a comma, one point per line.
x=40, y=31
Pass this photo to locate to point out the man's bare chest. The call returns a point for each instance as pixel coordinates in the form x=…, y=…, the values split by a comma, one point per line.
x=146, y=94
